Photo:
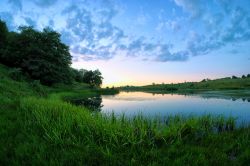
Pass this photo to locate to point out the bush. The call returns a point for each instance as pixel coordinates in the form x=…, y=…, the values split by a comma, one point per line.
x=38, y=88
x=171, y=89
x=16, y=74
x=192, y=85
x=234, y=77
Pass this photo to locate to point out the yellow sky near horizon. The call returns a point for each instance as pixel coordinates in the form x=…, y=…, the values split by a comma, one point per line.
x=122, y=71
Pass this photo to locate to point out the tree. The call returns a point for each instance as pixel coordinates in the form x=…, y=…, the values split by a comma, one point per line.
x=78, y=74
x=93, y=78
x=248, y=76
x=3, y=33
x=234, y=77
x=243, y=76
x=204, y=80
x=3, y=38
x=40, y=54
x=45, y=58
x=13, y=56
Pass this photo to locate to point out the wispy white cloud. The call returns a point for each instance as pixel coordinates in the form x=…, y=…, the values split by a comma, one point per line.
x=88, y=28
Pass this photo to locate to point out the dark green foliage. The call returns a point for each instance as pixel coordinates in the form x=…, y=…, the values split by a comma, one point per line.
x=205, y=80
x=38, y=88
x=78, y=74
x=234, y=77
x=45, y=58
x=40, y=54
x=94, y=78
x=108, y=91
x=243, y=76
x=10, y=56
x=16, y=74
x=248, y=76
x=92, y=103
x=3, y=33
x=171, y=88
x=3, y=38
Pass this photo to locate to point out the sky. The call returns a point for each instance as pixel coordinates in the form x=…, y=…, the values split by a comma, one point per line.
x=139, y=42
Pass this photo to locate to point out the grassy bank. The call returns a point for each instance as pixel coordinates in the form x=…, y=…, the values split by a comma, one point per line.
x=39, y=128
x=205, y=85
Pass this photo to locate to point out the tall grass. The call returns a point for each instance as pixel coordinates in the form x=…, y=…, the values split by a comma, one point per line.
x=118, y=140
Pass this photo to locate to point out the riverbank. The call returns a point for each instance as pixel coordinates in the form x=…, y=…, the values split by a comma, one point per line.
x=224, y=94
x=39, y=128
x=205, y=85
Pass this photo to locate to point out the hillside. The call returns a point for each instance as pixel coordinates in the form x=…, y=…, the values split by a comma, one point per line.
x=218, y=84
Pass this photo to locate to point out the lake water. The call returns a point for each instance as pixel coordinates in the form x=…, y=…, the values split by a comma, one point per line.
x=151, y=105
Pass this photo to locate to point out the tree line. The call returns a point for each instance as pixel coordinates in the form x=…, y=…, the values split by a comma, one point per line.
x=42, y=56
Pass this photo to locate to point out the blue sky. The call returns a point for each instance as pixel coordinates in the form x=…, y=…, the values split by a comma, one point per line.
x=143, y=41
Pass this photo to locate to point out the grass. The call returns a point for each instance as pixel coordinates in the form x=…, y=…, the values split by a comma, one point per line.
x=225, y=87
x=218, y=84
x=80, y=137
x=38, y=128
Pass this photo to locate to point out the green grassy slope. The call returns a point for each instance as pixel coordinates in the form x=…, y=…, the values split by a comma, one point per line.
x=219, y=84
x=38, y=128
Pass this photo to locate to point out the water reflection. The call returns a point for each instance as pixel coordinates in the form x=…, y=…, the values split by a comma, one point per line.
x=163, y=105
x=209, y=96
x=92, y=103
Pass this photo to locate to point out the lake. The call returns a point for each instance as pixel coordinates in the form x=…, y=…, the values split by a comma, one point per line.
x=151, y=105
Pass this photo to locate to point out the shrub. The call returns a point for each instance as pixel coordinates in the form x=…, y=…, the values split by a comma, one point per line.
x=171, y=89
x=38, y=88
x=234, y=77
x=16, y=74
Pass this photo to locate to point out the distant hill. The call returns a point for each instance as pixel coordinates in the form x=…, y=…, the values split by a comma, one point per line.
x=228, y=83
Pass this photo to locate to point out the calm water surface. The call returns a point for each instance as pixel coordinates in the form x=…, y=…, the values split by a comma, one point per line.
x=151, y=105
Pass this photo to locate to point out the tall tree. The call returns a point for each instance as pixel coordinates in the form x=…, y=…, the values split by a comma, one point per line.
x=94, y=78
x=40, y=54
x=3, y=37
x=46, y=57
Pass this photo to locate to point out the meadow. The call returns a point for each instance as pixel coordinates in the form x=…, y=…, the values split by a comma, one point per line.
x=236, y=87
x=234, y=83
x=39, y=128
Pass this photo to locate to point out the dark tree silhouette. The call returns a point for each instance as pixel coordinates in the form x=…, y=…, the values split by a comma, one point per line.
x=234, y=77
x=42, y=56
x=94, y=78
x=79, y=74
x=39, y=54
x=3, y=38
